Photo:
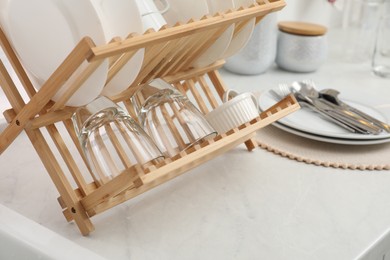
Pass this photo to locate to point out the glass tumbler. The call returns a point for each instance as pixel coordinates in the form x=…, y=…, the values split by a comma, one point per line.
x=111, y=140
x=360, y=20
x=381, y=55
x=172, y=121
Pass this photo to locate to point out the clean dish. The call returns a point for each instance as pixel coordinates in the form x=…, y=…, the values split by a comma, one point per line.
x=241, y=39
x=309, y=122
x=120, y=18
x=44, y=32
x=151, y=14
x=183, y=11
x=238, y=110
x=329, y=139
x=220, y=46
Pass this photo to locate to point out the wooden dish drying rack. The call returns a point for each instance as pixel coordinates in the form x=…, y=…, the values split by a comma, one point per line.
x=169, y=54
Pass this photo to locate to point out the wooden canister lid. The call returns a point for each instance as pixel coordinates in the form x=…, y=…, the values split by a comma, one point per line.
x=302, y=28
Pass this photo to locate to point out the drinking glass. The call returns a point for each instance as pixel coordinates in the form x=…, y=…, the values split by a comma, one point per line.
x=381, y=55
x=171, y=120
x=111, y=140
x=360, y=20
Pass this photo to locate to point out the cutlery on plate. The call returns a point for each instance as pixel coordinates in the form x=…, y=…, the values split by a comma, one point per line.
x=279, y=94
x=307, y=88
x=332, y=96
x=309, y=97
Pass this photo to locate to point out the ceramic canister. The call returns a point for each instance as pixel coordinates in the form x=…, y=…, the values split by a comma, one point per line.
x=302, y=47
x=260, y=51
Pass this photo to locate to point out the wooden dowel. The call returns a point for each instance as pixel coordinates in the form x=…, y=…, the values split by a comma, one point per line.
x=68, y=159
x=118, y=146
x=47, y=91
x=131, y=143
x=107, y=158
x=184, y=30
x=199, y=99
x=72, y=133
x=16, y=65
x=206, y=89
x=175, y=133
x=164, y=139
x=120, y=183
x=100, y=174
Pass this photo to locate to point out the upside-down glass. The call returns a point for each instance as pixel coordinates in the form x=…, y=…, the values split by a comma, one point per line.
x=360, y=19
x=171, y=120
x=381, y=55
x=111, y=140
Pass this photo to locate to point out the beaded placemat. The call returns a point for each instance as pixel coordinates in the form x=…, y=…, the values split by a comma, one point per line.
x=357, y=157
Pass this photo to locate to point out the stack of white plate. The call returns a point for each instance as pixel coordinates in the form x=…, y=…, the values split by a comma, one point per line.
x=309, y=124
x=43, y=33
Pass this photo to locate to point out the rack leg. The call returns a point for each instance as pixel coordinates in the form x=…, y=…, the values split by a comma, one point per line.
x=59, y=179
x=51, y=164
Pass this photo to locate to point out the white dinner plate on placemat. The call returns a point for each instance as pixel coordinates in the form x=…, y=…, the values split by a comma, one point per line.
x=309, y=124
x=330, y=140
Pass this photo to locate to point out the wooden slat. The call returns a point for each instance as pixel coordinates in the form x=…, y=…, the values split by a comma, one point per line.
x=170, y=50
x=47, y=91
x=123, y=181
x=118, y=147
x=50, y=118
x=201, y=48
x=49, y=161
x=162, y=59
x=172, y=127
x=17, y=66
x=121, y=61
x=199, y=99
x=221, y=144
x=206, y=89
x=184, y=30
x=72, y=133
x=68, y=159
x=194, y=72
x=218, y=83
x=9, y=115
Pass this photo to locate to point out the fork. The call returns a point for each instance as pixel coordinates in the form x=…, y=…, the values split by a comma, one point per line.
x=319, y=107
x=307, y=88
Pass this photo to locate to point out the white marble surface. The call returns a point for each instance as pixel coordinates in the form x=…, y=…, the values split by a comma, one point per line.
x=241, y=205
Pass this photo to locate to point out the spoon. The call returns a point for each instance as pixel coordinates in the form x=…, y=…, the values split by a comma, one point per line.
x=310, y=93
x=332, y=96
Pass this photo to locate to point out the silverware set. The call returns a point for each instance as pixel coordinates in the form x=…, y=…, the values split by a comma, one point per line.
x=327, y=104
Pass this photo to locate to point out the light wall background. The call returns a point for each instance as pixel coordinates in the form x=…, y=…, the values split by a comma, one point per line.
x=314, y=11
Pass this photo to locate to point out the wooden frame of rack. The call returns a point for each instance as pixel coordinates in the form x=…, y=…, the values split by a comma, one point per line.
x=169, y=54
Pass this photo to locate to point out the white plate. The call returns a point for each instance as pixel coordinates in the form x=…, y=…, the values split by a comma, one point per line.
x=183, y=11
x=311, y=123
x=43, y=33
x=241, y=39
x=219, y=47
x=120, y=18
x=328, y=139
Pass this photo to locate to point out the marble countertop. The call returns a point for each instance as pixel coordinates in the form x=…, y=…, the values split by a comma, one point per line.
x=241, y=205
